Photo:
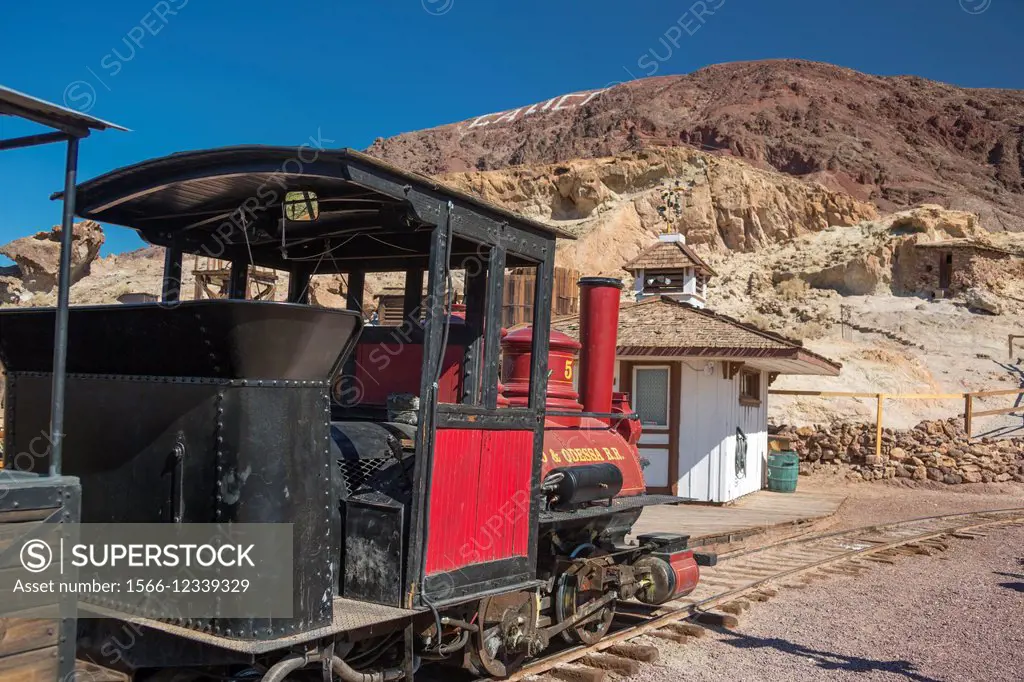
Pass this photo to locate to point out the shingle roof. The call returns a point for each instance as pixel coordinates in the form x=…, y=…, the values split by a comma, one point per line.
x=668, y=256
x=665, y=327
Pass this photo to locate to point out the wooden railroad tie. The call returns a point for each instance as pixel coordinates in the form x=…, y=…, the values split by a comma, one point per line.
x=714, y=619
x=688, y=629
x=611, y=662
x=665, y=634
x=637, y=652
x=577, y=673
x=735, y=607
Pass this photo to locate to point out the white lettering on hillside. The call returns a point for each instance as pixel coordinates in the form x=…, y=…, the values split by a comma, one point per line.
x=561, y=103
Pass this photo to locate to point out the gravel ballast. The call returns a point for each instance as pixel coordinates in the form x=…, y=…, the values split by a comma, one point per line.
x=958, y=615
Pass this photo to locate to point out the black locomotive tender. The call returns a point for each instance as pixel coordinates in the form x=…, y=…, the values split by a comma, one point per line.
x=225, y=411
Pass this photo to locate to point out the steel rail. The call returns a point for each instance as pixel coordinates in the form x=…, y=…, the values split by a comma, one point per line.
x=973, y=520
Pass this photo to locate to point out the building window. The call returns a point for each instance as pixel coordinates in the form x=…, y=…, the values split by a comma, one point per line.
x=650, y=395
x=750, y=388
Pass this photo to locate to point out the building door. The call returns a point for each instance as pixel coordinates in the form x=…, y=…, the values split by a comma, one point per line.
x=945, y=270
x=652, y=402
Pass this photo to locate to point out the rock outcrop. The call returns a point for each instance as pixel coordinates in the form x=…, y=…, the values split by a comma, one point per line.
x=898, y=255
x=616, y=205
x=983, y=300
x=38, y=256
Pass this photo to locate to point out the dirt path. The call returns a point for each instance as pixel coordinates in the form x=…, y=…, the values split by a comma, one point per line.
x=901, y=499
x=952, y=617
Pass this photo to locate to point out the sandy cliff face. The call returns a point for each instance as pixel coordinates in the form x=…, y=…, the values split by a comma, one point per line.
x=616, y=205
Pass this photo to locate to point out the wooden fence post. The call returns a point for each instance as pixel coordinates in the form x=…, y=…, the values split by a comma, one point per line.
x=878, y=428
x=968, y=413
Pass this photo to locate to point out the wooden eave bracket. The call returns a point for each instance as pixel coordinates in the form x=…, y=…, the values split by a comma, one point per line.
x=731, y=369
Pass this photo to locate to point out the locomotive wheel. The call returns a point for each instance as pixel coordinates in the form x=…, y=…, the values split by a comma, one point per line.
x=507, y=623
x=574, y=593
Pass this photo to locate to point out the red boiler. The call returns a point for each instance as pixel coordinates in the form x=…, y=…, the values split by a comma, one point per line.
x=573, y=438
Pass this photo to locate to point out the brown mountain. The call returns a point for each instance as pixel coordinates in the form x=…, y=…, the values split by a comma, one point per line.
x=896, y=141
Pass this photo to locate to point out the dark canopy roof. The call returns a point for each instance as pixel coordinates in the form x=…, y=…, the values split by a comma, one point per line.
x=227, y=203
x=14, y=103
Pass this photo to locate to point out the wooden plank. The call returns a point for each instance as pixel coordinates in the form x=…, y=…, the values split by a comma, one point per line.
x=1008, y=391
x=670, y=636
x=688, y=629
x=18, y=635
x=610, y=662
x=878, y=428
x=577, y=673
x=822, y=394
x=637, y=652
x=23, y=515
x=968, y=414
x=90, y=672
x=1006, y=410
x=12, y=532
x=925, y=396
x=851, y=394
x=714, y=619
x=32, y=666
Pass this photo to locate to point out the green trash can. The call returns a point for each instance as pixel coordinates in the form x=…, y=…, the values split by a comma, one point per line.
x=783, y=468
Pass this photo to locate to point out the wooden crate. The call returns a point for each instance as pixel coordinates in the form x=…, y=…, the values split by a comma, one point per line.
x=38, y=644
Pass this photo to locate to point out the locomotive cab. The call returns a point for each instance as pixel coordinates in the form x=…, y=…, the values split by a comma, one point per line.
x=449, y=501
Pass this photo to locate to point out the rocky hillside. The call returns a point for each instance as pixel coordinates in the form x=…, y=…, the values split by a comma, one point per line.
x=894, y=141
x=617, y=205
x=801, y=183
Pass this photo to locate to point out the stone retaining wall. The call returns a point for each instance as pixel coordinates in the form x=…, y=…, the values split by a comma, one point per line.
x=932, y=450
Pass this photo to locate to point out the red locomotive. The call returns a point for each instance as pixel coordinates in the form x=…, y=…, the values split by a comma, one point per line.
x=467, y=519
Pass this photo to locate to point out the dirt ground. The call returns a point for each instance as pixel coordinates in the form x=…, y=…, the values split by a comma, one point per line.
x=900, y=499
x=955, y=616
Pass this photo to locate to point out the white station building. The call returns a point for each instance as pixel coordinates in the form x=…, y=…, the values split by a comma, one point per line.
x=698, y=380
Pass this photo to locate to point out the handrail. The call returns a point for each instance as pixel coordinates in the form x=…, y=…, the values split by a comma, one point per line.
x=968, y=414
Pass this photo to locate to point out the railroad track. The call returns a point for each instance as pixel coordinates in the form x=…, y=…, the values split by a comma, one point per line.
x=747, y=575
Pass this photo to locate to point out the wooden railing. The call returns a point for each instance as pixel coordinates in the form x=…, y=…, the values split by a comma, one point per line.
x=968, y=414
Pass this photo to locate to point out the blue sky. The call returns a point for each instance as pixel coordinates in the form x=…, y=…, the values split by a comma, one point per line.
x=190, y=74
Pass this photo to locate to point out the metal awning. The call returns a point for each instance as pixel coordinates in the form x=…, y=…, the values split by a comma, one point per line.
x=227, y=203
x=68, y=126
x=68, y=122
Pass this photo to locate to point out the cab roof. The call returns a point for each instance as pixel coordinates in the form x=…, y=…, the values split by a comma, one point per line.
x=227, y=202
